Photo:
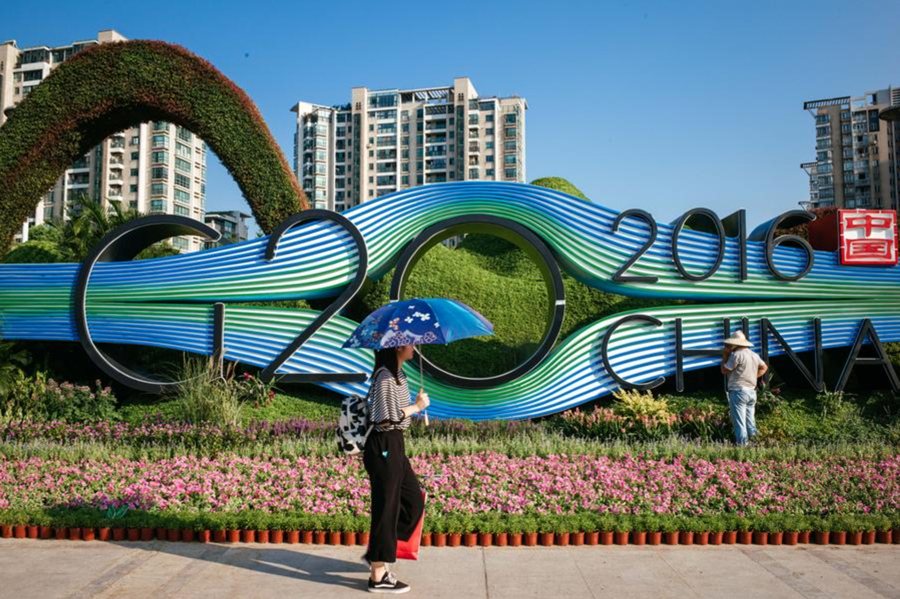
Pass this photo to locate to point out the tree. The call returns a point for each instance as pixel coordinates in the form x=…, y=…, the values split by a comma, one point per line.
x=560, y=184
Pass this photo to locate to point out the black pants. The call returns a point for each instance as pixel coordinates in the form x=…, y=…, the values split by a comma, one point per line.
x=397, y=502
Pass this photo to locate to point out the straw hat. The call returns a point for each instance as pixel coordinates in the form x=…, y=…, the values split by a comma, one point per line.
x=739, y=340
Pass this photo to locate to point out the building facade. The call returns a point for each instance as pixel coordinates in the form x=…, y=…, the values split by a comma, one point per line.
x=232, y=224
x=384, y=141
x=155, y=168
x=857, y=163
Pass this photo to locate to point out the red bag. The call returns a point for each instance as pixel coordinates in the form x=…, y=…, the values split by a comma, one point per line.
x=409, y=549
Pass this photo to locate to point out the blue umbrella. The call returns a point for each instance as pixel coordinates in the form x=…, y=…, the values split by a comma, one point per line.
x=417, y=322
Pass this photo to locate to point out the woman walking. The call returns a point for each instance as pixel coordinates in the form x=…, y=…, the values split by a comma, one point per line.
x=397, y=502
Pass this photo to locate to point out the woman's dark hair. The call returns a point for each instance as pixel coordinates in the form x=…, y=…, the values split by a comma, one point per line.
x=387, y=358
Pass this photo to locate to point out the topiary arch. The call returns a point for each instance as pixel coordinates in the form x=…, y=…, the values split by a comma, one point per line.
x=113, y=86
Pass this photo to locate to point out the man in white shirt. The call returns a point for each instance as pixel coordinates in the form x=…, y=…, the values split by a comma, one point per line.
x=743, y=367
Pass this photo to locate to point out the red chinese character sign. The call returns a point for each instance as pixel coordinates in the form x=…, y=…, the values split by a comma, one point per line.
x=868, y=237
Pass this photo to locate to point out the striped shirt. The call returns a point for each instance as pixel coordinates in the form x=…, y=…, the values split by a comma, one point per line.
x=386, y=398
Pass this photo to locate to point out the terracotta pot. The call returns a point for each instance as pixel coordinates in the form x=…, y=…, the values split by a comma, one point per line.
x=233, y=536
x=470, y=539
x=839, y=538
x=562, y=539
x=19, y=531
x=203, y=536
x=577, y=538
x=262, y=536
x=103, y=534
x=791, y=537
x=803, y=536
x=895, y=536
x=715, y=538
x=46, y=532
x=187, y=535
x=686, y=537
x=426, y=539
x=546, y=538
x=293, y=537
x=501, y=539
x=591, y=538
x=855, y=537
x=760, y=537
x=439, y=538
x=61, y=533
x=638, y=537
x=132, y=534
x=671, y=538
x=146, y=534
x=454, y=539
x=363, y=538
x=277, y=537
x=775, y=538
x=248, y=536
x=118, y=534
x=348, y=538
x=515, y=539
x=621, y=537
x=172, y=534
x=87, y=534
x=486, y=539
x=6, y=531
x=606, y=537
x=74, y=534
x=654, y=537
x=884, y=536
x=306, y=536
x=701, y=538
x=31, y=531
x=745, y=537
x=821, y=537
x=530, y=539
x=161, y=534
x=220, y=536
x=868, y=537
x=729, y=537
x=319, y=537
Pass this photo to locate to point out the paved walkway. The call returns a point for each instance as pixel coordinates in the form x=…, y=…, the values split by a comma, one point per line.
x=43, y=569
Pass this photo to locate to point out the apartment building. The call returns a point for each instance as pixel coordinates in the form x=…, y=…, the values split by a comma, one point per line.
x=386, y=140
x=857, y=163
x=232, y=224
x=155, y=167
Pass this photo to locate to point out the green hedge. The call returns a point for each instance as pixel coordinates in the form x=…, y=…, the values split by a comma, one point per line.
x=109, y=87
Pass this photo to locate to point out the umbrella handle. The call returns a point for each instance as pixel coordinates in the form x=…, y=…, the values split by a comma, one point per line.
x=422, y=386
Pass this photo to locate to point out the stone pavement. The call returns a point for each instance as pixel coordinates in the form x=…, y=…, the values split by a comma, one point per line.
x=44, y=569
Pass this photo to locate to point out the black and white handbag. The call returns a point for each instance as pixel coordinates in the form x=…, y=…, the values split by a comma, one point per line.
x=353, y=425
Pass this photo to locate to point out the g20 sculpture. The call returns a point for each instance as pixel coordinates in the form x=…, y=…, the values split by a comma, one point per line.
x=786, y=296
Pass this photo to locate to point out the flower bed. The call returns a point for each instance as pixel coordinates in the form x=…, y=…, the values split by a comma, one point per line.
x=484, y=492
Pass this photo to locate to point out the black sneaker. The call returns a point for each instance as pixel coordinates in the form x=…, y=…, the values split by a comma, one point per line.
x=388, y=584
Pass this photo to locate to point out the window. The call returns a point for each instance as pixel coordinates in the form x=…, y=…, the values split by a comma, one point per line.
x=133, y=188
x=135, y=155
x=182, y=210
x=33, y=75
x=159, y=157
x=181, y=243
x=134, y=172
x=473, y=119
x=183, y=134
x=489, y=118
x=509, y=159
x=182, y=165
x=473, y=173
x=182, y=180
x=159, y=173
x=157, y=205
x=510, y=132
x=182, y=150
x=136, y=141
x=510, y=173
x=160, y=141
x=182, y=196
x=158, y=189
x=160, y=125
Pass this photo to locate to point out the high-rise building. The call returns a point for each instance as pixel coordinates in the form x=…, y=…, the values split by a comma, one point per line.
x=387, y=140
x=232, y=224
x=857, y=161
x=156, y=168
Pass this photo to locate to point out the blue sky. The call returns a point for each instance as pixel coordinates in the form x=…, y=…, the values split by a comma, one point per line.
x=657, y=105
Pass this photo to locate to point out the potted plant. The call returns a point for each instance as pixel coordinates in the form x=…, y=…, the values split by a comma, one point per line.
x=89, y=518
x=216, y=526
x=500, y=530
x=18, y=519
x=454, y=530
x=605, y=525
x=546, y=530
x=529, y=531
x=745, y=535
x=791, y=529
x=470, y=537
x=562, y=527
x=882, y=525
x=201, y=527
x=577, y=526
x=43, y=521
x=669, y=527
x=246, y=523
x=868, y=526
x=348, y=530
x=686, y=530
x=758, y=526
x=652, y=523
x=278, y=522
x=362, y=525
x=438, y=530
x=621, y=528
x=839, y=525
x=729, y=526
x=716, y=527
x=488, y=525
x=291, y=524
x=822, y=531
